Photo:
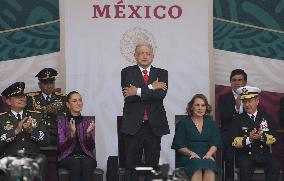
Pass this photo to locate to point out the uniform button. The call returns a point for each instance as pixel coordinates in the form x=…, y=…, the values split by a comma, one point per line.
x=48, y=124
x=250, y=146
x=23, y=139
x=249, y=153
x=261, y=146
x=246, y=130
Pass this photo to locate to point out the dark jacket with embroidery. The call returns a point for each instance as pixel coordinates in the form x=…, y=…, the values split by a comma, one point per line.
x=243, y=125
x=10, y=143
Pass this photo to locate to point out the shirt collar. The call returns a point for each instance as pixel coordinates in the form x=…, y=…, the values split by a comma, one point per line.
x=45, y=95
x=15, y=113
x=235, y=94
x=255, y=113
x=148, y=69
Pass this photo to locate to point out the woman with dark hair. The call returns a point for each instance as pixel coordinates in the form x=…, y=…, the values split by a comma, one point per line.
x=76, y=135
x=196, y=139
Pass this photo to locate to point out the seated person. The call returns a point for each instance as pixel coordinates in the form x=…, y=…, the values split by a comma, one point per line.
x=76, y=135
x=253, y=133
x=197, y=138
x=22, y=130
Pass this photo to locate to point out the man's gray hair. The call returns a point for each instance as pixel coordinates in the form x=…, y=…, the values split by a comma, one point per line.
x=143, y=44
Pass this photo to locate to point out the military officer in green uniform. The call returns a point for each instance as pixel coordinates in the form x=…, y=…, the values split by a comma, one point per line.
x=47, y=101
x=253, y=133
x=21, y=131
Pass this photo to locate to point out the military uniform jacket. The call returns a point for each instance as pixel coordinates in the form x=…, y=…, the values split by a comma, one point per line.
x=243, y=125
x=10, y=143
x=37, y=102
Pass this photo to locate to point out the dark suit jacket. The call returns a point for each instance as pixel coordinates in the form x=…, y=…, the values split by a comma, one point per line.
x=243, y=125
x=227, y=110
x=151, y=100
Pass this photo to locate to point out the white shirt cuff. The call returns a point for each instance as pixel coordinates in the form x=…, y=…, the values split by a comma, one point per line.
x=138, y=93
x=248, y=141
x=150, y=86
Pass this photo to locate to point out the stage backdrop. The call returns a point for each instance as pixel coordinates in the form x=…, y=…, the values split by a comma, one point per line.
x=100, y=37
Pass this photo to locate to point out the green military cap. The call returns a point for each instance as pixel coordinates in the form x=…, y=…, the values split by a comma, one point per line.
x=47, y=75
x=16, y=89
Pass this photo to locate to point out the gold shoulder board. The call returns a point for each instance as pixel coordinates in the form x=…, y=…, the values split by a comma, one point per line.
x=59, y=94
x=33, y=111
x=2, y=113
x=32, y=93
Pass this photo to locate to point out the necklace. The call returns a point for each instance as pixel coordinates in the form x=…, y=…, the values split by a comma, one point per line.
x=195, y=122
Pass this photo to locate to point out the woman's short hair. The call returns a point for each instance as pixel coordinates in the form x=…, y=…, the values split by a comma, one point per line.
x=189, y=107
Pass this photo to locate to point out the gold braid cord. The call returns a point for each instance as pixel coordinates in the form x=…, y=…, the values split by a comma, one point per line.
x=270, y=139
x=238, y=142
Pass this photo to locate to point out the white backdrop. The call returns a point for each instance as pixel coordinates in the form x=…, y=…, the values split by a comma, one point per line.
x=94, y=60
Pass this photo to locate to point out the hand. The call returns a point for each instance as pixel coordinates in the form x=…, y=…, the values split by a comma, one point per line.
x=193, y=155
x=208, y=157
x=27, y=124
x=254, y=134
x=258, y=134
x=72, y=127
x=159, y=85
x=20, y=126
x=90, y=129
x=50, y=108
x=129, y=91
x=238, y=102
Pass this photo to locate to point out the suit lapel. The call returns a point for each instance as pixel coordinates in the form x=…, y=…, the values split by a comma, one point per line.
x=249, y=122
x=258, y=118
x=232, y=98
x=138, y=75
x=12, y=118
x=153, y=75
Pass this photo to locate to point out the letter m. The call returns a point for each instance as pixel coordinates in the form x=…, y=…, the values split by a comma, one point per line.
x=100, y=12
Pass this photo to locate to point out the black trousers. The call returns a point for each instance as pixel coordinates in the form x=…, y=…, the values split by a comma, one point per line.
x=247, y=164
x=81, y=169
x=228, y=156
x=143, y=141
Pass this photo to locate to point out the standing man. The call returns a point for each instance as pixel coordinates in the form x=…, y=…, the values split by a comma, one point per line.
x=230, y=105
x=253, y=134
x=21, y=130
x=144, y=122
x=47, y=101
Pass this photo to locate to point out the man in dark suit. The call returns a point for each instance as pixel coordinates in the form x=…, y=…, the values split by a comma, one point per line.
x=253, y=134
x=230, y=105
x=47, y=101
x=144, y=122
x=21, y=131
